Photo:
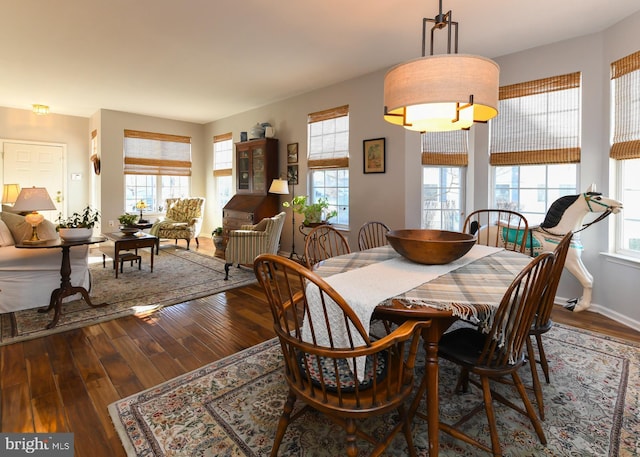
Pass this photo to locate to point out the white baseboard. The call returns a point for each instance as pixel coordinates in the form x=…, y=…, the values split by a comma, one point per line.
x=616, y=316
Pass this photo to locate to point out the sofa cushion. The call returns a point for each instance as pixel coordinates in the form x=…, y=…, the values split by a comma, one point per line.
x=6, y=238
x=21, y=230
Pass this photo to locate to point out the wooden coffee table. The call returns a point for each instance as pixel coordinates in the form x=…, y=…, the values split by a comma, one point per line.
x=127, y=242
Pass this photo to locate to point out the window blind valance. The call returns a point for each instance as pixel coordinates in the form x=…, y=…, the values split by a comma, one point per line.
x=625, y=74
x=539, y=122
x=147, y=153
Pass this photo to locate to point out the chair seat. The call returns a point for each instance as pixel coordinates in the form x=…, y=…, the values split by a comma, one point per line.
x=347, y=380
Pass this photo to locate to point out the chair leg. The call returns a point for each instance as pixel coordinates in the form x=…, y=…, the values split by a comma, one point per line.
x=283, y=423
x=407, y=430
x=491, y=416
x=529, y=407
x=537, y=388
x=197, y=242
x=543, y=358
x=226, y=270
x=352, y=447
x=188, y=244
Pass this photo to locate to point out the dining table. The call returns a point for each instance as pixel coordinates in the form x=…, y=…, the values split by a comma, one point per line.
x=379, y=283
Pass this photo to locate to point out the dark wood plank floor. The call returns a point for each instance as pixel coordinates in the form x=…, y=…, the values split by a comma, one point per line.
x=64, y=382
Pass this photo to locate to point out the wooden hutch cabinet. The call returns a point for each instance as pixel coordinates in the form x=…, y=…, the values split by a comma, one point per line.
x=256, y=167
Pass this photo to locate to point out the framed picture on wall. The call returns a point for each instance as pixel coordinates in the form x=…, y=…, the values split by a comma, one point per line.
x=373, y=155
x=292, y=174
x=292, y=153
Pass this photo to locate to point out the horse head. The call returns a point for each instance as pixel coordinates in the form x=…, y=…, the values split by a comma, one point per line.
x=568, y=212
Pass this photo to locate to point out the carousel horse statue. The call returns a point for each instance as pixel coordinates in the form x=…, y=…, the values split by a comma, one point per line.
x=567, y=214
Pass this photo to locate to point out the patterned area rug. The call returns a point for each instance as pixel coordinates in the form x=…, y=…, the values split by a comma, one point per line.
x=178, y=275
x=231, y=408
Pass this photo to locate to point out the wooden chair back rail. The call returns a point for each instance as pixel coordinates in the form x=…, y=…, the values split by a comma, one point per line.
x=483, y=224
x=372, y=234
x=320, y=370
x=324, y=242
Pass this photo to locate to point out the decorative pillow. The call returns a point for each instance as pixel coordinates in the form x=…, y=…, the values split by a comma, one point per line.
x=347, y=380
x=6, y=238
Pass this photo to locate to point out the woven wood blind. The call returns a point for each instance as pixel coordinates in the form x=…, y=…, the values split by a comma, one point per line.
x=539, y=122
x=329, y=138
x=625, y=74
x=147, y=153
x=445, y=148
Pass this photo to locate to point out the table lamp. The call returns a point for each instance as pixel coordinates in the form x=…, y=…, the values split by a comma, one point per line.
x=141, y=205
x=30, y=200
x=10, y=193
x=281, y=186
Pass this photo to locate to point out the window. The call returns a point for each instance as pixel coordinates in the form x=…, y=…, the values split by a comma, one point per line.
x=535, y=144
x=328, y=160
x=625, y=149
x=222, y=167
x=156, y=166
x=444, y=162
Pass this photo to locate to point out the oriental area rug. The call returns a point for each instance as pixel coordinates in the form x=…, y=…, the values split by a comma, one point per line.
x=231, y=408
x=178, y=276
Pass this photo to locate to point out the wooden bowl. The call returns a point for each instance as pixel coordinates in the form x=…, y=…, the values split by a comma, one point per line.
x=430, y=247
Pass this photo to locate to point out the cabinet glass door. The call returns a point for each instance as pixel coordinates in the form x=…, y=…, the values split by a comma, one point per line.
x=243, y=170
x=259, y=184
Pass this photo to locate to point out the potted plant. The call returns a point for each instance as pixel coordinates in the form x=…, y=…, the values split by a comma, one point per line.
x=128, y=222
x=314, y=213
x=78, y=226
x=218, y=240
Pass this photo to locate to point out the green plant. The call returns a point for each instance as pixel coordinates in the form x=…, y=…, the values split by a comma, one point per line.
x=217, y=231
x=85, y=219
x=128, y=219
x=313, y=212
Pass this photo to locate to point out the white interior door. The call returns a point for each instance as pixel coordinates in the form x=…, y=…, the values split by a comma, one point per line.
x=39, y=165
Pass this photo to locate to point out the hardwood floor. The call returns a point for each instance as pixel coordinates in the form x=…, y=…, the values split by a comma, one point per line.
x=64, y=382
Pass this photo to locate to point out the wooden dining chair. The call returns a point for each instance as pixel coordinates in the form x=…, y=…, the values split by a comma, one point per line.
x=324, y=242
x=372, y=234
x=498, y=227
x=499, y=353
x=319, y=364
x=542, y=322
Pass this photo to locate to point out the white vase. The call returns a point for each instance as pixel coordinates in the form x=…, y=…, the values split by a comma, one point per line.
x=75, y=234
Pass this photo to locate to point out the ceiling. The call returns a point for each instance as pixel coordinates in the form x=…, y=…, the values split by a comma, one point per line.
x=203, y=60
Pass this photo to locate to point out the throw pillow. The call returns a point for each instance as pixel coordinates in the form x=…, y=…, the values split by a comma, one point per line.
x=6, y=238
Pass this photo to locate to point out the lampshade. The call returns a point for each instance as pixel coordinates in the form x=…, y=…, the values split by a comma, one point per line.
x=444, y=92
x=141, y=204
x=34, y=199
x=10, y=193
x=41, y=109
x=279, y=186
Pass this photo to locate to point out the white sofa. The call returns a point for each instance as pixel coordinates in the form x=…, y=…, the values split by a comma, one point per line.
x=28, y=276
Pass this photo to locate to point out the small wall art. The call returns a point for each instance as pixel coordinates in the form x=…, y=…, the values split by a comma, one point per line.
x=373, y=155
x=292, y=174
x=292, y=153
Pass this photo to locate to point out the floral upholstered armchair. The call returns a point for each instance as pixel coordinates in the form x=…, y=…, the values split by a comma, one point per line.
x=250, y=241
x=182, y=221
